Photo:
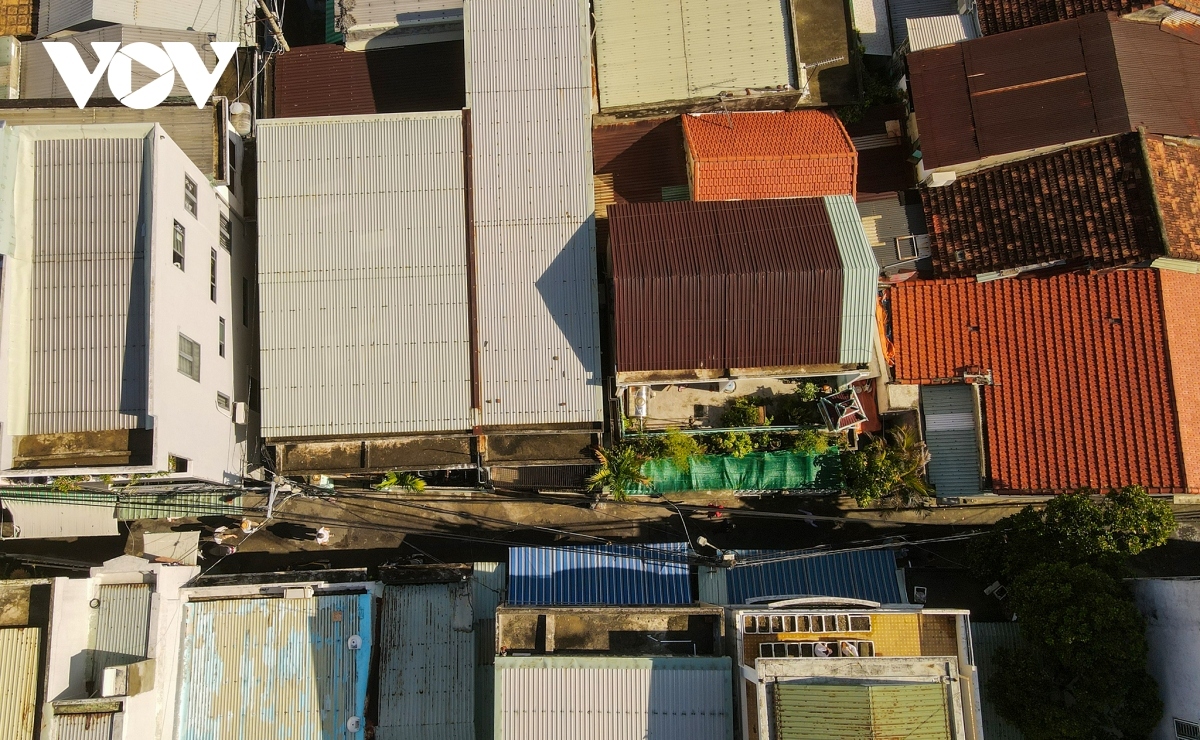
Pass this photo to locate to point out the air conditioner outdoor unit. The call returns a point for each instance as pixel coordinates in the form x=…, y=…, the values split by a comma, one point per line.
x=239, y=412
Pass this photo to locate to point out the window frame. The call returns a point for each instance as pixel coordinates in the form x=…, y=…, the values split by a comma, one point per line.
x=212, y=275
x=192, y=359
x=226, y=235
x=1192, y=729
x=190, y=196
x=221, y=336
x=224, y=402
x=179, y=247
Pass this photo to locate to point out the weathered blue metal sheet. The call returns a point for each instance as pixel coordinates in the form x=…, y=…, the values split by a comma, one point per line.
x=256, y=669
x=599, y=574
x=864, y=574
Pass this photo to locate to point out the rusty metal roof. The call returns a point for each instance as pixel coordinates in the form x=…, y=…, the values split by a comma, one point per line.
x=733, y=284
x=1053, y=84
x=327, y=80
x=641, y=158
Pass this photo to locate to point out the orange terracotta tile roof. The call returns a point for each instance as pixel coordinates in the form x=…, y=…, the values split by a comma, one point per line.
x=1175, y=167
x=769, y=154
x=1082, y=393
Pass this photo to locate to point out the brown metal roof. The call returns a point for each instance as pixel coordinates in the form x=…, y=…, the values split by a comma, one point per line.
x=1087, y=205
x=643, y=157
x=327, y=80
x=1053, y=84
x=725, y=284
x=1041, y=86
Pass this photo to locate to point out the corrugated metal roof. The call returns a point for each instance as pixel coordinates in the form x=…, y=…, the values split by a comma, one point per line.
x=950, y=433
x=940, y=30
x=886, y=219
x=529, y=88
x=88, y=726
x=135, y=505
x=1052, y=84
x=328, y=80
x=226, y=19
x=427, y=663
x=599, y=574
x=578, y=697
x=769, y=283
x=20, y=651
x=89, y=322
x=40, y=78
x=362, y=252
x=986, y=639
x=914, y=711
x=642, y=157
x=197, y=131
x=378, y=24
x=122, y=626
x=861, y=574
x=902, y=10
x=654, y=52
x=860, y=281
x=488, y=586
x=59, y=518
x=275, y=668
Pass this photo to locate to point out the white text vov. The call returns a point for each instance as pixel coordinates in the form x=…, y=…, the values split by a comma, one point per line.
x=174, y=56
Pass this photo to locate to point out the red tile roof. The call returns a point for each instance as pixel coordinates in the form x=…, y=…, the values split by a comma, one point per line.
x=1175, y=167
x=1181, y=311
x=1083, y=389
x=997, y=16
x=769, y=154
x=1088, y=205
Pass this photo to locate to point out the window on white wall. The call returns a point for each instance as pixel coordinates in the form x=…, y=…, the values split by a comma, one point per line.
x=222, y=401
x=226, y=233
x=189, y=358
x=221, y=336
x=177, y=246
x=212, y=275
x=189, y=195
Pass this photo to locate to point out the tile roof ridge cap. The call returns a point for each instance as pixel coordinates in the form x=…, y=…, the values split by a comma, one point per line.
x=778, y=156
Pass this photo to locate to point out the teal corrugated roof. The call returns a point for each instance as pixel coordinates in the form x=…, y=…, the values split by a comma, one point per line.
x=649, y=52
x=275, y=668
x=165, y=504
x=860, y=280
x=951, y=438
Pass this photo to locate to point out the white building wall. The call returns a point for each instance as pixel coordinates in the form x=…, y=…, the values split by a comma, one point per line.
x=1171, y=607
x=188, y=423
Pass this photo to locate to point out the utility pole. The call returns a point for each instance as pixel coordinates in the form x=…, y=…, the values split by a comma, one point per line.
x=273, y=24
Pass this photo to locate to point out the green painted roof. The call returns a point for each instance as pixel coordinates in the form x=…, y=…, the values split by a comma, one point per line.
x=650, y=52
x=911, y=711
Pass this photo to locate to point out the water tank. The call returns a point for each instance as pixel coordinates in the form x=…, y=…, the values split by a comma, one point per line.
x=240, y=117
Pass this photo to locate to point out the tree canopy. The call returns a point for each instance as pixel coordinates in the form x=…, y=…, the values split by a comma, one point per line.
x=1075, y=529
x=888, y=470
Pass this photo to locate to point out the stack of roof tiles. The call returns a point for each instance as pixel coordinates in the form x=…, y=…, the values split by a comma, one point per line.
x=997, y=16
x=1087, y=205
x=1085, y=389
x=769, y=154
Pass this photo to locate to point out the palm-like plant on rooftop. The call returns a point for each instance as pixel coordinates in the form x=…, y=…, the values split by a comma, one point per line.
x=889, y=471
x=620, y=472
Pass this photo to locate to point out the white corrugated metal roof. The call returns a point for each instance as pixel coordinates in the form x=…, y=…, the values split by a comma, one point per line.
x=427, y=663
x=363, y=275
x=529, y=89
x=226, y=19
x=33, y=519
x=940, y=30
x=19, y=651
x=667, y=698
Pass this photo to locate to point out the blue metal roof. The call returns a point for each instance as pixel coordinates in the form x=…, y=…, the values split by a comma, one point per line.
x=599, y=574
x=863, y=574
